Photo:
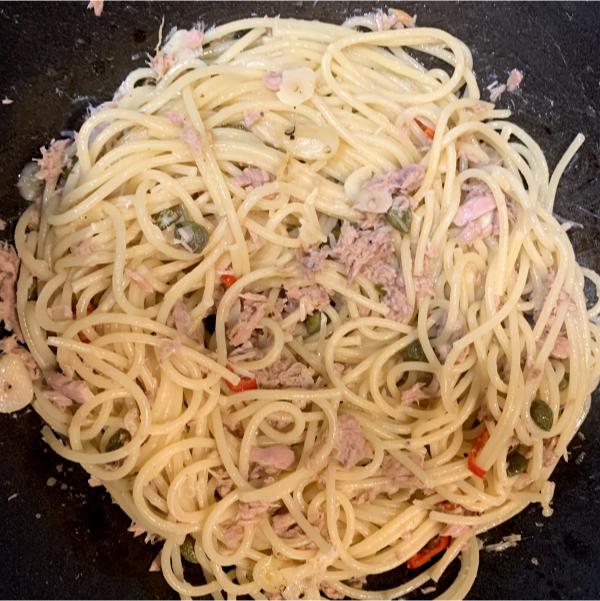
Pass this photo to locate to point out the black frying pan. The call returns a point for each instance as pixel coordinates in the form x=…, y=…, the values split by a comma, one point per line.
x=68, y=540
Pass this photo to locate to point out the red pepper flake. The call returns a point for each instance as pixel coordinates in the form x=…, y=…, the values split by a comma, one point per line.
x=434, y=547
x=243, y=385
x=446, y=506
x=477, y=446
x=428, y=131
x=228, y=279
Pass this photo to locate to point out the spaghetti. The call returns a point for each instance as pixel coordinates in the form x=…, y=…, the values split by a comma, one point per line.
x=301, y=306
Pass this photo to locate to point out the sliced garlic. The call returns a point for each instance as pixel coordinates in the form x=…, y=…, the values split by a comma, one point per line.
x=297, y=86
x=312, y=142
x=16, y=388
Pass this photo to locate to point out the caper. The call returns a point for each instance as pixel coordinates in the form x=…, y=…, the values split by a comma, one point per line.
x=187, y=550
x=541, y=414
x=399, y=220
x=193, y=235
x=414, y=352
x=313, y=323
x=564, y=383
x=117, y=440
x=163, y=219
x=516, y=464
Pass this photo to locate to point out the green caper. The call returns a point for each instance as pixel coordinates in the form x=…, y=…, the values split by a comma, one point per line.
x=313, y=323
x=516, y=464
x=193, y=235
x=541, y=414
x=414, y=352
x=187, y=550
x=117, y=440
x=163, y=219
x=564, y=383
x=399, y=220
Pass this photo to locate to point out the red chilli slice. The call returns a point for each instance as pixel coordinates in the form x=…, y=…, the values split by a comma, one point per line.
x=243, y=385
x=428, y=131
x=228, y=279
x=434, y=547
x=477, y=446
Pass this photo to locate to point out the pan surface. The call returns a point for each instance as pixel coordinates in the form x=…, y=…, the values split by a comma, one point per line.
x=62, y=539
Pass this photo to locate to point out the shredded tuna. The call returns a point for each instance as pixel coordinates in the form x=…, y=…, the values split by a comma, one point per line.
x=350, y=446
x=253, y=512
x=251, y=117
x=330, y=591
x=362, y=250
x=474, y=207
x=285, y=525
x=94, y=482
x=549, y=456
x=414, y=394
x=254, y=308
x=191, y=137
x=478, y=229
x=514, y=80
x=10, y=346
x=52, y=162
x=423, y=287
x=272, y=81
x=561, y=348
x=253, y=177
x=224, y=484
x=285, y=373
x=140, y=280
x=75, y=390
x=307, y=298
x=399, y=473
x=311, y=261
x=276, y=457
x=97, y=6
x=180, y=318
x=396, y=301
x=232, y=535
x=379, y=192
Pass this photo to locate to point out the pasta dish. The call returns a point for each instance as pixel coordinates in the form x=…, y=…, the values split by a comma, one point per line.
x=297, y=298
